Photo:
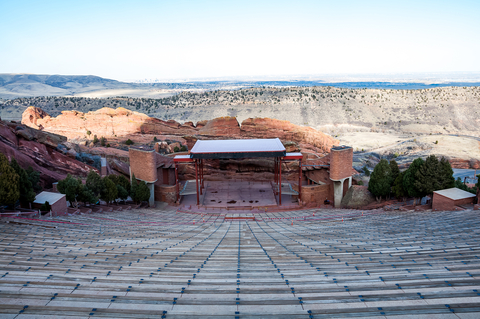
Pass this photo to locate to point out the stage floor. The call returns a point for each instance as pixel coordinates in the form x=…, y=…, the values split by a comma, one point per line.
x=237, y=195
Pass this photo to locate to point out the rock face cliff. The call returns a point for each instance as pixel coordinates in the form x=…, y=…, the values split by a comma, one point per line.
x=123, y=123
x=38, y=149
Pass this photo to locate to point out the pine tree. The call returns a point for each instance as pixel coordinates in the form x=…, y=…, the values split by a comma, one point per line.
x=95, y=183
x=133, y=188
x=410, y=177
x=122, y=193
x=446, y=172
x=142, y=192
x=397, y=187
x=427, y=176
x=70, y=187
x=34, y=178
x=124, y=182
x=9, y=182
x=109, y=192
x=86, y=195
x=395, y=170
x=27, y=194
x=380, y=180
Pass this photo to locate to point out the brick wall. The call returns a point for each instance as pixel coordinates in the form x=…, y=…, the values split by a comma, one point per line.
x=143, y=164
x=60, y=207
x=440, y=202
x=166, y=193
x=341, y=160
x=316, y=194
x=465, y=201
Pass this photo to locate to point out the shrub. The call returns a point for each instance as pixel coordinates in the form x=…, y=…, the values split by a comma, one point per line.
x=45, y=207
x=155, y=139
x=129, y=142
x=360, y=183
x=88, y=133
x=103, y=141
x=436, y=142
x=366, y=171
x=183, y=148
x=95, y=139
x=176, y=149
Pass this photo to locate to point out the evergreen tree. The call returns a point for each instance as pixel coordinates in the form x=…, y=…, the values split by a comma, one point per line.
x=70, y=187
x=398, y=189
x=410, y=177
x=427, y=176
x=142, y=193
x=133, y=188
x=95, y=183
x=380, y=180
x=122, y=193
x=446, y=179
x=395, y=170
x=124, y=182
x=109, y=192
x=9, y=182
x=27, y=195
x=86, y=195
x=45, y=207
x=34, y=178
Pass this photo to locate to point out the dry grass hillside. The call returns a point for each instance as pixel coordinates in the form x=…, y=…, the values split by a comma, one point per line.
x=333, y=110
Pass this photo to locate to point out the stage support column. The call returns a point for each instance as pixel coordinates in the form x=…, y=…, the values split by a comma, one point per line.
x=201, y=176
x=280, y=182
x=176, y=182
x=196, y=181
x=300, y=179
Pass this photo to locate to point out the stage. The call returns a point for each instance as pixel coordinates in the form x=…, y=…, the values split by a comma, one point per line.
x=237, y=195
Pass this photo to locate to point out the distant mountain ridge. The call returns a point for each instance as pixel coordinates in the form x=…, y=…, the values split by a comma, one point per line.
x=32, y=85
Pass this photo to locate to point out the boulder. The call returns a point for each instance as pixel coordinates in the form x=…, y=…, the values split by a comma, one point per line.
x=357, y=196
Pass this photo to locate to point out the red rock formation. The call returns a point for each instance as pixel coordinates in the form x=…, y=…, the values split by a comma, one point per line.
x=121, y=122
x=35, y=148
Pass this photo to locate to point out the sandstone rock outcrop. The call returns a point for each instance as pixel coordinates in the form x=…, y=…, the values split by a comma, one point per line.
x=120, y=122
x=39, y=149
x=357, y=196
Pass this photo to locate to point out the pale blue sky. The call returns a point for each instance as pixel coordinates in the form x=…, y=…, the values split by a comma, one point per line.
x=177, y=39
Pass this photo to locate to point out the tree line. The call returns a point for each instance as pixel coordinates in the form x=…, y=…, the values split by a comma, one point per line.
x=109, y=189
x=17, y=185
x=422, y=178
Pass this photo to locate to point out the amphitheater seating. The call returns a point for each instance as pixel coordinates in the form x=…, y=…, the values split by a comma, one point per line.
x=147, y=263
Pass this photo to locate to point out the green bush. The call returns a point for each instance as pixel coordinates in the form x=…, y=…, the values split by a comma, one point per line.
x=45, y=207
x=183, y=148
x=176, y=149
x=360, y=183
x=95, y=139
x=366, y=171
x=129, y=142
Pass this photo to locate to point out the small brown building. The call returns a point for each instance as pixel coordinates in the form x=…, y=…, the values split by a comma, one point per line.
x=57, y=201
x=448, y=199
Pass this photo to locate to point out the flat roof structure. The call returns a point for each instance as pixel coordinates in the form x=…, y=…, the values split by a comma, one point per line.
x=224, y=149
x=454, y=193
x=49, y=197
